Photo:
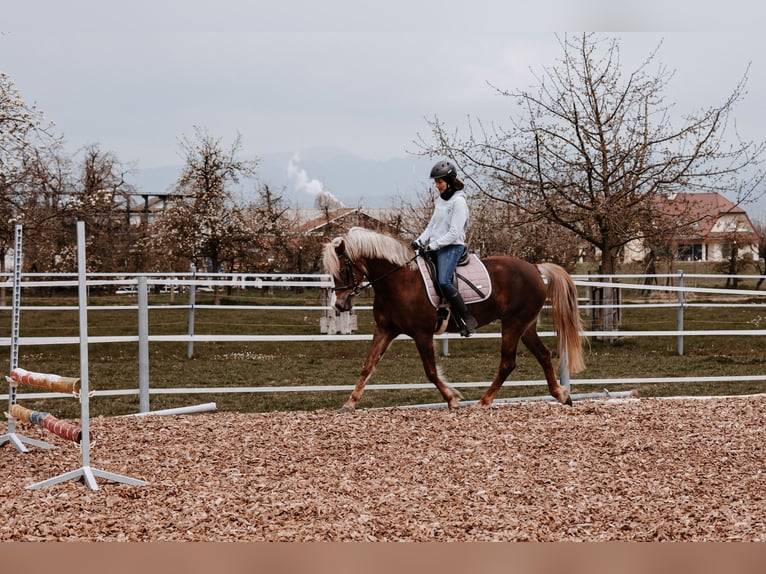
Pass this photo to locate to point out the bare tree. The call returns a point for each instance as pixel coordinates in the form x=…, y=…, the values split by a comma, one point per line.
x=271, y=244
x=23, y=133
x=102, y=200
x=45, y=207
x=591, y=149
x=413, y=211
x=22, y=127
x=760, y=262
x=736, y=259
x=495, y=230
x=205, y=226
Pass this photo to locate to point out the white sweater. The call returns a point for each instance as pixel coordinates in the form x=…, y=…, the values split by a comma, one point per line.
x=448, y=223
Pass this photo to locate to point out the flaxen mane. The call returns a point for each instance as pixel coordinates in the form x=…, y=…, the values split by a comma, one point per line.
x=361, y=243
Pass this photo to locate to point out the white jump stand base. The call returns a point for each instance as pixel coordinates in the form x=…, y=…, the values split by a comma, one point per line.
x=18, y=441
x=88, y=476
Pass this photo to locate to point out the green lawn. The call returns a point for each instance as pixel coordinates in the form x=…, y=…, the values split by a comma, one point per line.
x=115, y=366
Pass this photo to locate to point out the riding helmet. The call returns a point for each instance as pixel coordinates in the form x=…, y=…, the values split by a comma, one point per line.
x=443, y=169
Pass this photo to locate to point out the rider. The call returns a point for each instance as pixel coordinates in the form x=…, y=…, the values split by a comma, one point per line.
x=445, y=235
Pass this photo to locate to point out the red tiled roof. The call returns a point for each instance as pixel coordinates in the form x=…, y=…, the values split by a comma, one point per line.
x=312, y=224
x=705, y=210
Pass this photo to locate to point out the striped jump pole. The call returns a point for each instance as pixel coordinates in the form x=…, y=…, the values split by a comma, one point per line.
x=55, y=383
x=47, y=421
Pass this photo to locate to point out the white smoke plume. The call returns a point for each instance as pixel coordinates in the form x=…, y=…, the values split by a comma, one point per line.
x=313, y=187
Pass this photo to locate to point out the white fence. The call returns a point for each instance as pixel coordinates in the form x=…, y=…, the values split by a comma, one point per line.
x=194, y=281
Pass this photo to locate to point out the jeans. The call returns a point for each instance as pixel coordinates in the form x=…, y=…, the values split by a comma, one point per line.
x=446, y=263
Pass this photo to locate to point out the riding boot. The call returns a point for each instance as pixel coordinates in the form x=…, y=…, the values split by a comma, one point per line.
x=463, y=316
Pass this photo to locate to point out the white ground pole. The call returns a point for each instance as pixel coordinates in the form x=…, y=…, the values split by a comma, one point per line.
x=206, y=407
x=12, y=436
x=86, y=473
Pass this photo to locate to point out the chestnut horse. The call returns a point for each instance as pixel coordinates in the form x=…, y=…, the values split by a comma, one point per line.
x=364, y=258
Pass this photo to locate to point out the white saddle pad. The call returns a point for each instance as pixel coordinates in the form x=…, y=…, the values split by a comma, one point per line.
x=474, y=271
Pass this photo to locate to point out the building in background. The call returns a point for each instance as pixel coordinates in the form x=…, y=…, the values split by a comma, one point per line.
x=717, y=227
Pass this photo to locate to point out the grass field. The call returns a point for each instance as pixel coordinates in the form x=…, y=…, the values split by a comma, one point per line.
x=115, y=366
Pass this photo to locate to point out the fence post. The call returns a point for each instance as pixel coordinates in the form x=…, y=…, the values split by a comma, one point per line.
x=143, y=345
x=680, y=325
x=564, y=369
x=190, y=346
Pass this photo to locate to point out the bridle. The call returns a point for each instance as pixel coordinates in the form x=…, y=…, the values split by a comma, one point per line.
x=353, y=283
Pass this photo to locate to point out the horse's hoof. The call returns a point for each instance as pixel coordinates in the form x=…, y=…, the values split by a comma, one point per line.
x=345, y=409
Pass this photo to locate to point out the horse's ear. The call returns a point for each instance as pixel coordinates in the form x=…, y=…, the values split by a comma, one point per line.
x=326, y=239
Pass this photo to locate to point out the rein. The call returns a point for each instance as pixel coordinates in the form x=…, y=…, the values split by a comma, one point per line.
x=356, y=286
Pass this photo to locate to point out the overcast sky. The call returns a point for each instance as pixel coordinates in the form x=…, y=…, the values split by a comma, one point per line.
x=361, y=76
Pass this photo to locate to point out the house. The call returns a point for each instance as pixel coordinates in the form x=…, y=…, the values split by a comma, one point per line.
x=330, y=223
x=716, y=227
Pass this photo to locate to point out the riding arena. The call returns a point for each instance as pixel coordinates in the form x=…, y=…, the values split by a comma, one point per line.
x=603, y=469
x=617, y=470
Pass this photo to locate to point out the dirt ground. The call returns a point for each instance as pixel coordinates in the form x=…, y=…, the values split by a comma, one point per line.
x=627, y=470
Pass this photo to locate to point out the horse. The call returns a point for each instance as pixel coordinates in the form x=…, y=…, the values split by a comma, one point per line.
x=364, y=258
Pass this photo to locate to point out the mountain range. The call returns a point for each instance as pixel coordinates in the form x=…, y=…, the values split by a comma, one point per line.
x=300, y=177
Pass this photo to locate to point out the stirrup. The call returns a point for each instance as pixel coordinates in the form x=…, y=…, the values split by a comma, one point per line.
x=442, y=318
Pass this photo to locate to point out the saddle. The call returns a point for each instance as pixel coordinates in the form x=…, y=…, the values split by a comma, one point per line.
x=471, y=279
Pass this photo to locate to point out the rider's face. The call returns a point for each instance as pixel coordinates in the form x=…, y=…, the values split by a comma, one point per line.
x=440, y=184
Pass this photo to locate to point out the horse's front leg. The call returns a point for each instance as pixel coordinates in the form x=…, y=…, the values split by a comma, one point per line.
x=381, y=341
x=425, y=346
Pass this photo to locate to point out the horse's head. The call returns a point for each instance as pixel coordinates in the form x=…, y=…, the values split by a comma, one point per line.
x=351, y=260
x=348, y=276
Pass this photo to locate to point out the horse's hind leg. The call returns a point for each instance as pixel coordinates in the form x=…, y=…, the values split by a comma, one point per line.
x=381, y=341
x=533, y=342
x=509, y=344
x=425, y=346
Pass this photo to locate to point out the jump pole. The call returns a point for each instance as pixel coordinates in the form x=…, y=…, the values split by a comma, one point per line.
x=18, y=441
x=86, y=473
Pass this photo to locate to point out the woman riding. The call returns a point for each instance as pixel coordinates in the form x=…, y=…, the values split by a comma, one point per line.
x=445, y=236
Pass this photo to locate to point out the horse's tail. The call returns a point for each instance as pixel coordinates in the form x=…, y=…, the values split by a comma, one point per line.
x=562, y=293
